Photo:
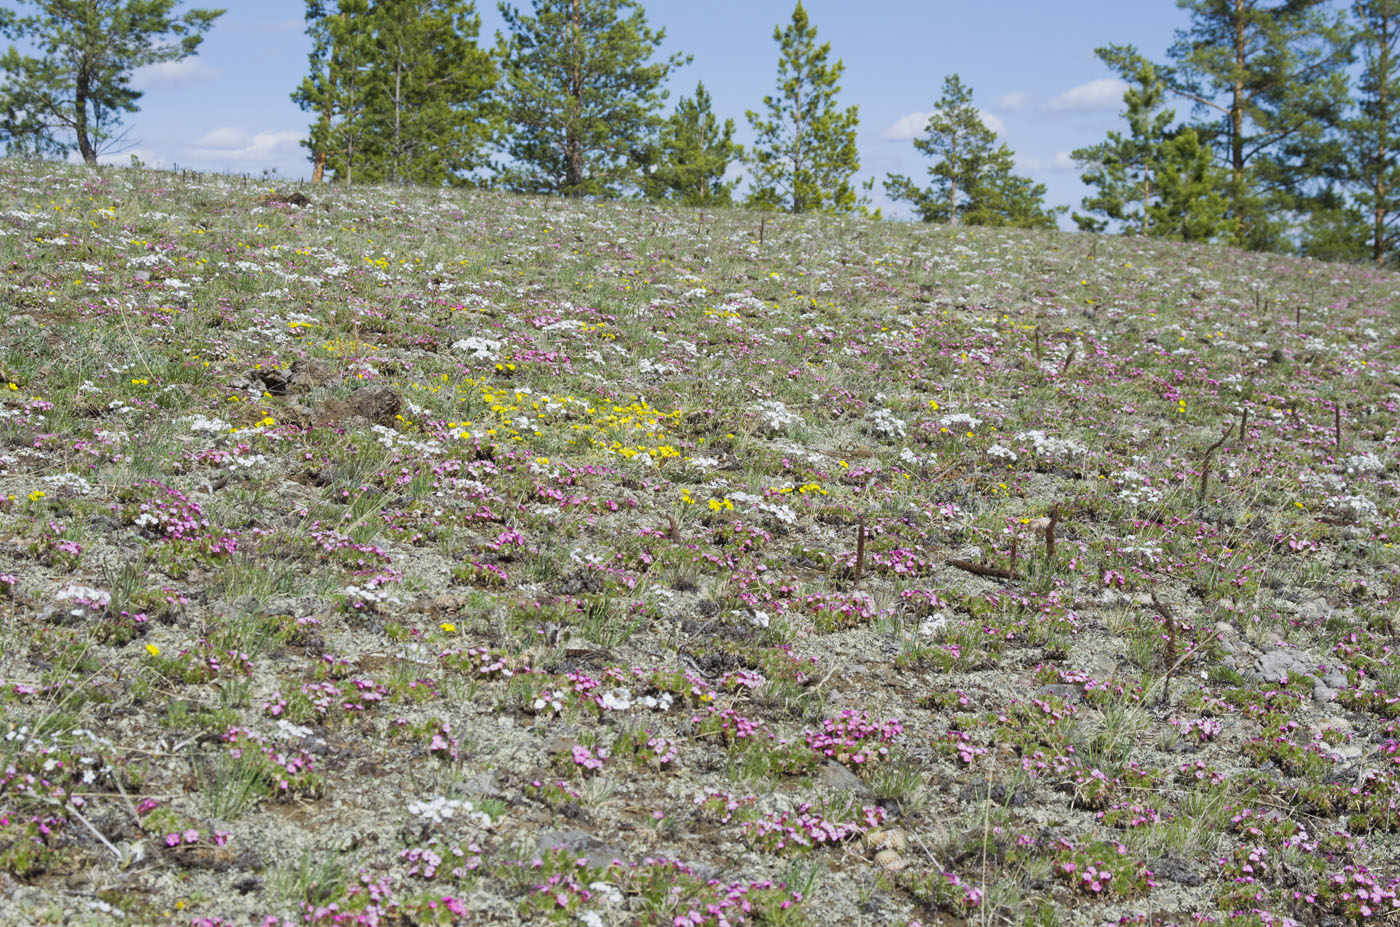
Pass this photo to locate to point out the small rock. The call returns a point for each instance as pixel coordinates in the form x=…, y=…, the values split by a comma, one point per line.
x=1323, y=726
x=891, y=838
x=583, y=845
x=835, y=776
x=890, y=861
x=1062, y=690
x=1315, y=609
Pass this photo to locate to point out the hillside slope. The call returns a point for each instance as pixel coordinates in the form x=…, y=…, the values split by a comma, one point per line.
x=373, y=556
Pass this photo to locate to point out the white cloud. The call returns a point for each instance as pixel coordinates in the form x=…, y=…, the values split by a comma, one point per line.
x=1058, y=163
x=992, y=121
x=1104, y=93
x=169, y=75
x=914, y=124
x=1014, y=102
x=232, y=144
x=906, y=127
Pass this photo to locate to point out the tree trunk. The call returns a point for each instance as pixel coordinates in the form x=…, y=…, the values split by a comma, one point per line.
x=1237, y=125
x=573, y=145
x=1383, y=113
x=398, y=109
x=80, y=121
x=318, y=164
x=1146, y=196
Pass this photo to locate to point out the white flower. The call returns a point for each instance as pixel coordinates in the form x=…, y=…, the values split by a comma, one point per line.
x=616, y=700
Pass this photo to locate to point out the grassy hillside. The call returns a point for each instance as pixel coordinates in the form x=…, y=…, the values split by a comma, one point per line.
x=376, y=558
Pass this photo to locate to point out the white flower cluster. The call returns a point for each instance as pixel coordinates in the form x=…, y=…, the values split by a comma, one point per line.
x=478, y=348
x=371, y=596
x=201, y=423
x=85, y=597
x=1002, y=453
x=621, y=700
x=885, y=424
x=1050, y=447
x=1365, y=463
x=438, y=809
x=959, y=421
x=1135, y=488
x=70, y=482
x=777, y=417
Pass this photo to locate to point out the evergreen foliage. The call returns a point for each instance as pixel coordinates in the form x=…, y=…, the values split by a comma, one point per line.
x=973, y=180
x=73, y=94
x=692, y=155
x=582, y=93
x=1372, y=135
x=400, y=90
x=1156, y=180
x=804, y=155
x=1274, y=72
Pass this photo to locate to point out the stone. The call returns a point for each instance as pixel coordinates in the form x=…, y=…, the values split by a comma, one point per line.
x=834, y=775
x=583, y=845
x=890, y=861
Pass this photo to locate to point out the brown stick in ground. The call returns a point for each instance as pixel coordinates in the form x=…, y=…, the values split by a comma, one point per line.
x=1171, y=644
x=860, y=547
x=978, y=569
x=1205, y=467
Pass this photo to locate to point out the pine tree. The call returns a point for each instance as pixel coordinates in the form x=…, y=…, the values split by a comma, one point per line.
x=1123, y=169
x=350, y=138
x=1156, y=178
x=1190, y=204
x=804, y=155
x=582, y=93
x=1274, y=72
x=317, y=92
x=692, y=155
x=81, y=84
x=400, y=90
x=973, y=179
x=1372, y=135
x=432, y=112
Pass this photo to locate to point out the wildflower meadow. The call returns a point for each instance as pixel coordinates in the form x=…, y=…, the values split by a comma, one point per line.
x=381, y=556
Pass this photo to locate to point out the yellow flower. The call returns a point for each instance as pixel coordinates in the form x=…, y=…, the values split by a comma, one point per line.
x=153, y=650
x=36, y=495
x=448, y=627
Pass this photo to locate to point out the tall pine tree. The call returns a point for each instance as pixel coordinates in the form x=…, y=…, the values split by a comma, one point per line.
x=433, y=110
x=582, y=93
x=1273, y=71
x=973, y=180
x=1156, y=180
x=1373, y=133
x=804, y=154
x=693, y=154
x=400, y=90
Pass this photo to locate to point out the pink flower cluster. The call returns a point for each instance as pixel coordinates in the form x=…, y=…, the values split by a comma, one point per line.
x=854, y=739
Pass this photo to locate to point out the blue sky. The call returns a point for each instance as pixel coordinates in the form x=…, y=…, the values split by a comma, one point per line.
x=1030, y=64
